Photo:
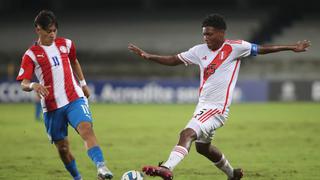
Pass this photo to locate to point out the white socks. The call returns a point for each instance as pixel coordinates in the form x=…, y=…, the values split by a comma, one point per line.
x=225, y=166
x=176, y=156
x=179, y=152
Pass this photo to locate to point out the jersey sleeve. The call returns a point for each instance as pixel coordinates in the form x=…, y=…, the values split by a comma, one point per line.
x=72, y=54
x=26, y=69
x=190, y=56
x=245, y=49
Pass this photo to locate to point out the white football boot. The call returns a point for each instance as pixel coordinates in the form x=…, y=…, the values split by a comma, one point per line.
x=104, y=173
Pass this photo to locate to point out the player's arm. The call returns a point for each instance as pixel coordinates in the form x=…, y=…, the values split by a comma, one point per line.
x=28, y=86
x=25, y=75
x=165, y=60
x=78, y=72
x=300, y=46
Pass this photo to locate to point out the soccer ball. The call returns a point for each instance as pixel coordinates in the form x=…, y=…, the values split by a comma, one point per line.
x=132, y=175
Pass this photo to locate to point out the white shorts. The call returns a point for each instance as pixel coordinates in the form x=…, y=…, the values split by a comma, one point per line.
x=205, y=120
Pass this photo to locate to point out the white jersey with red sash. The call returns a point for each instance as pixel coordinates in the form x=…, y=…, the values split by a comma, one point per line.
x=51, y=65
x=218, y=70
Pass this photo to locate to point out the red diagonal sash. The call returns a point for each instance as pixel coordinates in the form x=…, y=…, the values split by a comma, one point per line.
x=215, y=63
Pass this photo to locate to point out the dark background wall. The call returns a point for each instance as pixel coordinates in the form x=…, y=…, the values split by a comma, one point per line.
x=102, y=29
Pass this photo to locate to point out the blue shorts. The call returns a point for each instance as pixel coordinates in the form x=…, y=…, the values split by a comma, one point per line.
x=57, y=121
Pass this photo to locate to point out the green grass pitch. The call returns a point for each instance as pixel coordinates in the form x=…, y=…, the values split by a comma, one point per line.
x=273, y=141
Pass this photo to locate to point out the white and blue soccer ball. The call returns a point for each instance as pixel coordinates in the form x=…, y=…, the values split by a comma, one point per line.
x=132, y=175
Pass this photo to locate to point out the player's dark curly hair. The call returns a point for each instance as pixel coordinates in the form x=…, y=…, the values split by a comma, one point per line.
x=45, y=19
x=214, y=20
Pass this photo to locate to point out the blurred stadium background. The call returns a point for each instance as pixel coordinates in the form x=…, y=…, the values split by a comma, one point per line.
x=102, y=30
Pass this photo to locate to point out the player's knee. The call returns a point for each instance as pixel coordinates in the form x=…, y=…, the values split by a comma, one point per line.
x=202, y=148
x=188, y=134
x=85, y=130
x=63, y=150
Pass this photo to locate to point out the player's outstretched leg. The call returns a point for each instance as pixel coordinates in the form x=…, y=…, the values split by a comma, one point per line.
x=187, y=136
x=67, y=158
x=214, y=155
x=94, y=151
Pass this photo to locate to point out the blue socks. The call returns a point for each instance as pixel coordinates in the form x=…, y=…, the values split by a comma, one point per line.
x=96, y=156
x=72, y=168
x=38, y=111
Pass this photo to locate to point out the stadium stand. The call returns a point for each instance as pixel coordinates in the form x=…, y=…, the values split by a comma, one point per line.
x=287, y=65
x=102, y=37
x=102, y=40
x=165, y=31
x=307, y=27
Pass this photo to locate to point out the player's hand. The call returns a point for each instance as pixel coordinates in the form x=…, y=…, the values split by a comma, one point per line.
x=41, y=90
x=86, y=91
x=302, y=46
x=138, y=51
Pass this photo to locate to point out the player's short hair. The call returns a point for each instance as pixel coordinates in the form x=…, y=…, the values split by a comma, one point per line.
x=45, y=19
x=216, y=21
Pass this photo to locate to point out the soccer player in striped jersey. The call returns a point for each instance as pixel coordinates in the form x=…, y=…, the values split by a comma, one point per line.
x=63, y=91
x=219, y=62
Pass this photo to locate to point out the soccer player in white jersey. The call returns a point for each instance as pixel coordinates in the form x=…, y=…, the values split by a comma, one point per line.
x=54, y=62
x=219, y=61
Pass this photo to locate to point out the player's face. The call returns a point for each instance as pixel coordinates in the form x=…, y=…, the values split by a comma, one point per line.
x=47, y=36
x=213, y=37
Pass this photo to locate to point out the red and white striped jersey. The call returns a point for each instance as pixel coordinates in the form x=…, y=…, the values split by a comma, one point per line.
x=51, y=65
x=218, y=70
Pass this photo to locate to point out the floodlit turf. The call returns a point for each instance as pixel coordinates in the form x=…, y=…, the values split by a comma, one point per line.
x=269, y=141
